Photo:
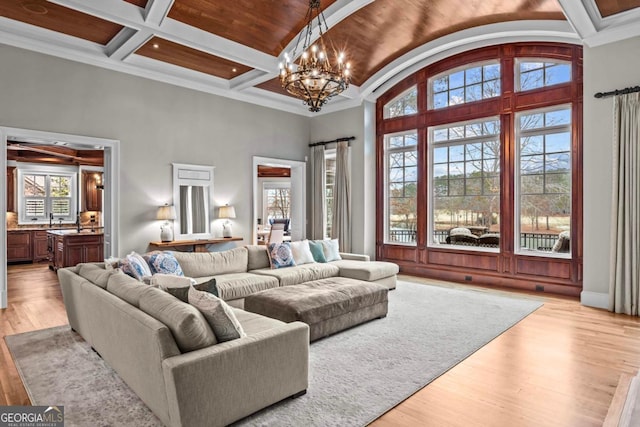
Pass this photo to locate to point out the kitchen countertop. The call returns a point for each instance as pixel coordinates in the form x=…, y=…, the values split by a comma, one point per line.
x=73, y=231
x=72, y=227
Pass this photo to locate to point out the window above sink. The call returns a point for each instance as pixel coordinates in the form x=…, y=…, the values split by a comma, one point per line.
x=47, y=194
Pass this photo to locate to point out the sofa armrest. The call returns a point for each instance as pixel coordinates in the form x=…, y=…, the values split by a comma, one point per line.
x=225, y=382
x=354, y=257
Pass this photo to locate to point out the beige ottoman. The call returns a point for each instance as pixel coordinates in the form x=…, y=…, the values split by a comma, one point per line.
x=327, y=306
x=381, y=272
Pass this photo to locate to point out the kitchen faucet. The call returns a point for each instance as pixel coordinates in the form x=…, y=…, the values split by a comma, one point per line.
x=50, y=219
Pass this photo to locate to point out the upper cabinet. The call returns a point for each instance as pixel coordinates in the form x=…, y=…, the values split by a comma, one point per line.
x=92, y=191
x=11, y=189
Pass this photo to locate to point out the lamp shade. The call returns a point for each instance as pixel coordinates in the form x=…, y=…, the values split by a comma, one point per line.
x=167, y=212
x=227, y=212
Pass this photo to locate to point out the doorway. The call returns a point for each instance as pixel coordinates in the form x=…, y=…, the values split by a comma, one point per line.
x=296, y=195
x=111, y=150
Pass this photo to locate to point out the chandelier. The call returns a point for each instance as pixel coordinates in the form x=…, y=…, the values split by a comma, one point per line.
x=313, y=79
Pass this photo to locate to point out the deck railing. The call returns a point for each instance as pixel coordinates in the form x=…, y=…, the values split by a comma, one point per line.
x=534, y=241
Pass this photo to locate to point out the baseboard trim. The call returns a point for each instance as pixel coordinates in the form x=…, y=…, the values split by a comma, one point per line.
x=594, y=299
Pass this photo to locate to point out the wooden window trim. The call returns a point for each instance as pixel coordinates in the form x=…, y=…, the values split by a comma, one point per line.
x=505, y=268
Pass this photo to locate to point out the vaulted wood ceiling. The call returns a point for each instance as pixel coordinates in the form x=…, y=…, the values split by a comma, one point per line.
x=232, y=48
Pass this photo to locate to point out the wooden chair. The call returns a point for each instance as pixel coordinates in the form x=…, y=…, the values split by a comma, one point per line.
x=276, y=235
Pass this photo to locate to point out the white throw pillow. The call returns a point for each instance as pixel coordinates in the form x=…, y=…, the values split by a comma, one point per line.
x=301, y=252
x=219, y=315
x=331, y=250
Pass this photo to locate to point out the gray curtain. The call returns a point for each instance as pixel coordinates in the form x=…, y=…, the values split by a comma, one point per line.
x=341, y=212
x=624, y=281
x=317, y=192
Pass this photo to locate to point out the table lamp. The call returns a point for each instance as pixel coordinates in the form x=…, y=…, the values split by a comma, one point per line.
x=166, y=213
x=226, y=212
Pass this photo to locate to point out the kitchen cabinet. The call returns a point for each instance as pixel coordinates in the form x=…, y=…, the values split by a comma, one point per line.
x=92, y=191
x=19, y=246
x=40, y=245
x=11, y=189
x=70, y=248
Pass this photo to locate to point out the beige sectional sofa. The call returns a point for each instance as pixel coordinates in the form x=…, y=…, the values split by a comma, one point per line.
x=166, y=352
x=243, y=271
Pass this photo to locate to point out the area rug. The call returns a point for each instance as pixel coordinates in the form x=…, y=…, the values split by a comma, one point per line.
x=355, y=376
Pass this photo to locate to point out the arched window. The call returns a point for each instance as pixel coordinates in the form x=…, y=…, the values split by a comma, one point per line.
x=489, y=184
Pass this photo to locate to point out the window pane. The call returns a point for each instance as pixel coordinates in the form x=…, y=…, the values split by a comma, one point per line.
x=34, y=185
x=405, y=104
x=532, y=184
x=440, y=100
x=491, y=89
x=557, y=74
x=473, y=75
x=491, y=71
x=440, y=154
x=60, y=186
x=531, y=145
x=544, y=181
x=531, y=80
x=556, y=118
x=537, y=74
x=474, y=83
x=456, y=80
x=441, y=84
x=456, y=96
x=470, y=197
x=473, y=93
x=401, y=188
x=531, y=121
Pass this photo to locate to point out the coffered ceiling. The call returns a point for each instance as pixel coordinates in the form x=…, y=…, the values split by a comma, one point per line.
x=232, y=48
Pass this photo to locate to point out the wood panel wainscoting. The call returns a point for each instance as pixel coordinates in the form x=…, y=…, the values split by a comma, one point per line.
x=504, y=266
x=559, y=366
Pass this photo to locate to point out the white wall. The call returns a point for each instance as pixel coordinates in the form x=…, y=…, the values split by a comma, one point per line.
x=352, y=123
x=609, y=67
x=157, y=124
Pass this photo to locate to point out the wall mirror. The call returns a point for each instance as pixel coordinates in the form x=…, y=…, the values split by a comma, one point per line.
x=192, y=196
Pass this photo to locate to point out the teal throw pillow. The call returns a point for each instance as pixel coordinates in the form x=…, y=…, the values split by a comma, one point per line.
x=317, y=251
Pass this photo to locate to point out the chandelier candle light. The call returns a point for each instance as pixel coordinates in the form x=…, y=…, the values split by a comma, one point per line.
x=313, y=79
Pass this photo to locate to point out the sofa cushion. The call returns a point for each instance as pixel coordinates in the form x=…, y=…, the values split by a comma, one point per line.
x=239, y=285
x=315, y=246
x=213, y=263
x=280, y=255
x=331, y=249
x=187, y=325
x=301, y=273
x=95, y=274
x=366, y=270
x=178, y=286
x=258, y=257
x=163, y=262
x=253, y=323
x=126, y=288
x=219, y=315
x=301, y=252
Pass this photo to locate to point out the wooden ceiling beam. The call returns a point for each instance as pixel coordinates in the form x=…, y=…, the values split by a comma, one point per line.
x=67, y=154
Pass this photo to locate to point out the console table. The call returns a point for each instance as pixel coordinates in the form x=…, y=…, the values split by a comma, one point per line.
x=199, y=245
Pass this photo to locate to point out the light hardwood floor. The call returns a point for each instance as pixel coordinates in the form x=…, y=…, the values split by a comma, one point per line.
x=558, y=367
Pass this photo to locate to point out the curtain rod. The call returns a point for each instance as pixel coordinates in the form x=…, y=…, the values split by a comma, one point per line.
x=618, y=92
x=347, y=138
